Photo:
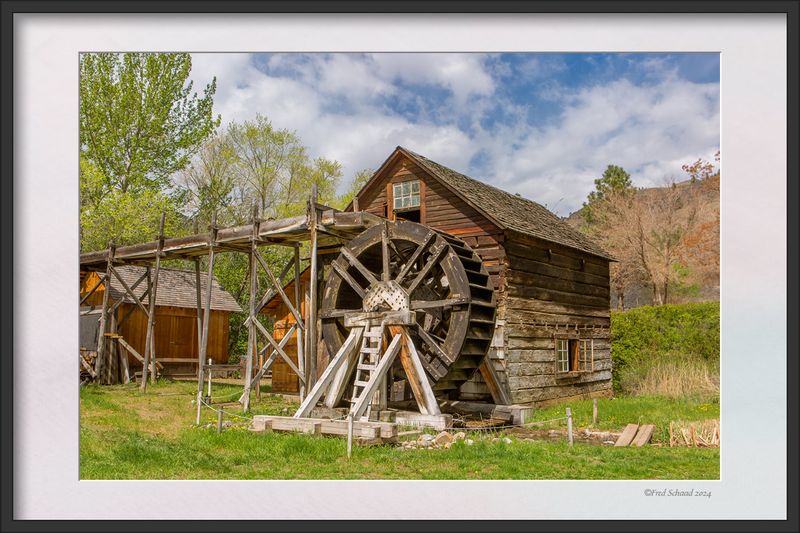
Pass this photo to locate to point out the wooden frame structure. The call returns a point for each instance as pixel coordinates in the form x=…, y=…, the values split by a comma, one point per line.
x=321, y=226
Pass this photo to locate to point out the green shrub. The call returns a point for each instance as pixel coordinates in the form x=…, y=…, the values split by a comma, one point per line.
x=666, y=348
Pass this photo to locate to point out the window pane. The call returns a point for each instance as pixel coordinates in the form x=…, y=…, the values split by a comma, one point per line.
x=406, y=187
x=398, y=202
x=398, y=189
x=415, y=200
x=414, y=186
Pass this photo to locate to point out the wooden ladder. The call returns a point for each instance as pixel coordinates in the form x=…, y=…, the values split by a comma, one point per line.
x=368, y=358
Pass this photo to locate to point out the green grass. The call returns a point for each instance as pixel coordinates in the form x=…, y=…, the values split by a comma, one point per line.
x=128, y=435
x=616, y=413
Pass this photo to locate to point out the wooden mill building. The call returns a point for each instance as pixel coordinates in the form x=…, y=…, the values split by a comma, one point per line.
x=175, y=327
x=551, y=339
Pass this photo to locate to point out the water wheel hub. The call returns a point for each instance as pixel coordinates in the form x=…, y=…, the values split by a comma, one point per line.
x=386, y=296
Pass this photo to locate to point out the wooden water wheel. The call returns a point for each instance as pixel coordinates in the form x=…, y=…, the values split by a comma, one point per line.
x=430, y=282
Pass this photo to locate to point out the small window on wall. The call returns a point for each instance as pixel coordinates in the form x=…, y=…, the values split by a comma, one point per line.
x=406, y=195
x=574, y=355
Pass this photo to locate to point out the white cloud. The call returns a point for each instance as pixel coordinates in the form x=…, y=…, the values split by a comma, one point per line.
x=337, y=105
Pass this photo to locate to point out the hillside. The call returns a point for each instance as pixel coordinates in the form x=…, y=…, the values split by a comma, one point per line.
x=697, y=275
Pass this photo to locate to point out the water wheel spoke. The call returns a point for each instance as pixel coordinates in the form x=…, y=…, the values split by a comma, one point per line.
x=436, y=304
x=385, y=274
x=353, y=260
x=349, y=279
x=402, y=257
x=432, y=344
x=434, y=260
x=416, y=255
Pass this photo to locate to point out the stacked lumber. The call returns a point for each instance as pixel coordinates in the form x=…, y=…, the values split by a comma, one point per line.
x=703, y=434
x=363, y=432
x=635, y=435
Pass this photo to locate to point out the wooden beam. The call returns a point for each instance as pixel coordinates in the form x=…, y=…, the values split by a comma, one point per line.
x=415, y=372
x=350, y=344
x=349, y=279
x=207, y=311
x=298, y=295
x=500, y=395
x=149, y=355
x=251, y=332
x=99, y=365
x=272, y=292
x=278, y=348
x=100, y=281
x=311, y=329
x=277, y=285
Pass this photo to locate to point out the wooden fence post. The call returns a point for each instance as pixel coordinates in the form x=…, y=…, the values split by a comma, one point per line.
x=349, y=435
x=569, y=426
x=219, y=419
x=594, y=412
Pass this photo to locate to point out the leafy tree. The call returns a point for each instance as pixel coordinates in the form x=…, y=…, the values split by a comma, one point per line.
x=359, y=180
x=139, y=120
x=210, y=184
x=615, y=179
x=129, y=218
x=275, y=170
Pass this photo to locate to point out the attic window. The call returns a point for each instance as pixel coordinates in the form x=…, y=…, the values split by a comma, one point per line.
x=406, y=195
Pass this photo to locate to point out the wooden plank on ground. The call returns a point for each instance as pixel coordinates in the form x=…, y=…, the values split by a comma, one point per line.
x=643, y=435
x=324, y=426
x=627, y=435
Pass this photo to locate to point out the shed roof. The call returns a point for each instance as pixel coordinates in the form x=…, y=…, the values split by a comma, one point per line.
x=506, y=210
x=176, y=288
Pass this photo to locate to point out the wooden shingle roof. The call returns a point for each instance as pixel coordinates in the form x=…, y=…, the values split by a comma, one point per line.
x=176, y=288
x=507, y=210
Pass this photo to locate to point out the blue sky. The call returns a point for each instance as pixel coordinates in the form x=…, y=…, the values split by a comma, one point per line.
x=544, y=125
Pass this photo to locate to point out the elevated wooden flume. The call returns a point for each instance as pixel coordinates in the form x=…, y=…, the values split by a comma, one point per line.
x=400, y=299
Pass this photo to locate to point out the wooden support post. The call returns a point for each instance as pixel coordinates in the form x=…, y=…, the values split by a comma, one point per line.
x=149, y=357
x=311, y=374
x=594, y=412
x=219, y=419
x=315, y=393
x=210, y=374
x=299, y=331
x=206, y=311
x=100, y=364
x=349, y=435
x=251, y=327
x=415, y=373
x=499, y=393
x=569, y=426
x=199, y=308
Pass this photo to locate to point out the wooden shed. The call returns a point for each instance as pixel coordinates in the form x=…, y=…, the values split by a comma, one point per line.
x=175, y=326
x=551, y=340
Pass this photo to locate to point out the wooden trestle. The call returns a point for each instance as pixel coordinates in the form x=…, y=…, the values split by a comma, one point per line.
x=321, y=226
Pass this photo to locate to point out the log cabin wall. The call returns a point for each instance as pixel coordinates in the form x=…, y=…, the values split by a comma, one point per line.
x=551, y=285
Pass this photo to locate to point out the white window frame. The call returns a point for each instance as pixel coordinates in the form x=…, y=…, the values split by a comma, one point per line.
x=586, y=355
x=563, y=354
x=405, y=194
